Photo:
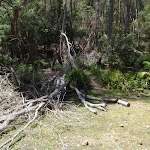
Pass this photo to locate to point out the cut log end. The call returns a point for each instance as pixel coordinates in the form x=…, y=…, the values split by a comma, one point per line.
x=123, y=103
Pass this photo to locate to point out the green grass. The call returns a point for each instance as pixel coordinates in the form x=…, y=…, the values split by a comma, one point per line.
x=124, y=127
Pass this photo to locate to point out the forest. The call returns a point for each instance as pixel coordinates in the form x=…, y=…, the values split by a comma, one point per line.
x=52, y=50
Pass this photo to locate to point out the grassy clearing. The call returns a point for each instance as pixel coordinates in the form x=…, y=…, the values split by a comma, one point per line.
x=119, y=128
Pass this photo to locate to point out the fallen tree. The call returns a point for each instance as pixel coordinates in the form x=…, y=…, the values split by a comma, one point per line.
x=59, y=88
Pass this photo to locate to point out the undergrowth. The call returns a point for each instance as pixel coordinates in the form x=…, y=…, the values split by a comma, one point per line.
x=26, y=72
x=115, y=79
x=78, y=78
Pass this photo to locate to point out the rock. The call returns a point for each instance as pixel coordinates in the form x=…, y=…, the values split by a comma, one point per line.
x=140, y=143
x=122, y=125
x=85, y=143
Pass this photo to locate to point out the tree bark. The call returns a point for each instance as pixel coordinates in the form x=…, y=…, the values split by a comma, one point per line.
x=64, y=18
x=110, y=20
x=127, y=19
x=119, y=19
x=71, y=32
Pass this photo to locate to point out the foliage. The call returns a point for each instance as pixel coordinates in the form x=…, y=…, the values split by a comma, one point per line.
x=115, y=79
x=144, y=62
x=95, y=70
x=122, y=56
x=57, y=67
x=144, y=79
x=79, y=31
x=8, y=61
x=144, y=20
x=28, y=73
x=78, y=78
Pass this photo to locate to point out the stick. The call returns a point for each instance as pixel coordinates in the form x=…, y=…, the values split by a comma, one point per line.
x=13, y=116
x=35, y=115
x=46, y=82
x=16, y=76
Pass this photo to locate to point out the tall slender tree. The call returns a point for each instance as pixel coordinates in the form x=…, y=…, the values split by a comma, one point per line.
x=119, y=18
x=71, y=32
x=64, y=18
x=127, y=19
x=110, y=23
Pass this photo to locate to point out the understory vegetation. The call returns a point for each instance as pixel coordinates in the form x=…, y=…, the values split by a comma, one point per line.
x=30, y=40
x=51, y=50
x=127, y=82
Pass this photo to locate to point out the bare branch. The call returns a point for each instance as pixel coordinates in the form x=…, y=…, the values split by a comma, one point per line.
x=35, y=115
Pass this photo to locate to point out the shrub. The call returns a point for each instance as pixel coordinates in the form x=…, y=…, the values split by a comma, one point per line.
x=28, y=73
x=144, y=80
x=122, y=55
x=144, y=62
x=95, y=70
x=115, y=79
x=78, y=78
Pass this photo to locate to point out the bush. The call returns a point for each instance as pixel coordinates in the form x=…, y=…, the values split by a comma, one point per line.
x=122, y=55
x=144, y=80
x=144, y=62
x=78, y=78
x=28, y=74
x=115, y=79
x=95, y=70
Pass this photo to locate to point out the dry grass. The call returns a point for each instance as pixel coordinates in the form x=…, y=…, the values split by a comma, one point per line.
x=9, y=98
x=119, y=128
x=68, y=128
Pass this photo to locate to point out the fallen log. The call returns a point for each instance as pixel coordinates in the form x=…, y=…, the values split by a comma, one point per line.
x=123, y=103
x=87, y=104
x=102, y=100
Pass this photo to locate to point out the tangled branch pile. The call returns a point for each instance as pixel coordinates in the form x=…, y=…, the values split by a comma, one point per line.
x=14, y=104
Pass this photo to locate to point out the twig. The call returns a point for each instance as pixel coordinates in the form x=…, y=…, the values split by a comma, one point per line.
x=63, y=148
x=11, y=139
x=13, y=116
x=16, y=76
x=113, y=142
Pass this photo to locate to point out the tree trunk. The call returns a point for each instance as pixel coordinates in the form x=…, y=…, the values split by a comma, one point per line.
x=64, y=19
x=71, y=32
x=110, y=20
x=136, y=6
x=127, y=19
x=97, y=23
x=45, y=5
x=119, y=19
